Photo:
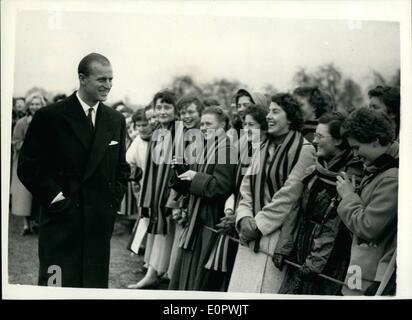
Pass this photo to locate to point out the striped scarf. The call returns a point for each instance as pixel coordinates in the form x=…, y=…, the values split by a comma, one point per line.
x=186, y=240
x=155, y=190
x=217, y=259
x=246, y=153
x=276, y=168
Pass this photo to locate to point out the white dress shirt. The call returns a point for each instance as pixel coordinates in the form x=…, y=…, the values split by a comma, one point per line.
x=86, y=108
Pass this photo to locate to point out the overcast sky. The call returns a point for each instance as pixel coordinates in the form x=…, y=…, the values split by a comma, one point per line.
x=146, y=51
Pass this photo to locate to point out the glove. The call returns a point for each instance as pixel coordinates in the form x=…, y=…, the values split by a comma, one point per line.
x=371, y=290
x=279, y=260
x=226, y=224
x=248, y=229
x=183, y=218
x=176, y=214
x=306, y=273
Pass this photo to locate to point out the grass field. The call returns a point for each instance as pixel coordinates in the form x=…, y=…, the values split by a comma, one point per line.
x=23, y=261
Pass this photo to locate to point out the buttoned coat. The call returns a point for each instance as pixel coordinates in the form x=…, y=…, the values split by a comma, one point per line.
x=62, y=153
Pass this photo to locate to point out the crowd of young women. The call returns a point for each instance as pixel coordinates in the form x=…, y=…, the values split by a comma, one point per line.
x=309, y=206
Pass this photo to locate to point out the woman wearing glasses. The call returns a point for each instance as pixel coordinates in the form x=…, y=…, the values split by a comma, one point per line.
x=269, y=192
x=314, y=104
x=320, y=242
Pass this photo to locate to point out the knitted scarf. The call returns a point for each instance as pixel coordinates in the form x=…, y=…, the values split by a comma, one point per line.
x=324, y=176
x=275, y=171
x=217, y=259
x=157, y=174
x=186, y=240
x=327, y=172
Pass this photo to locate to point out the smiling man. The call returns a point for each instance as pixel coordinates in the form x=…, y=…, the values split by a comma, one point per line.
x=73, y=160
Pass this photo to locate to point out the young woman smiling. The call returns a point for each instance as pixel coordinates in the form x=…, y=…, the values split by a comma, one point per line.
x=268, y=195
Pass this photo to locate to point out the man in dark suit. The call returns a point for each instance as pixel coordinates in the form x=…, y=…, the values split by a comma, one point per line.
x=73, y=161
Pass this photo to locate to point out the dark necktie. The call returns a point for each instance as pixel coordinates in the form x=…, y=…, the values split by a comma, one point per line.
x=89, y=116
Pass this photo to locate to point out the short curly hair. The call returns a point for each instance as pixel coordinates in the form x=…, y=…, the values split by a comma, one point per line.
x=319, y=100
x=366, y=126
x=186, y=101
x=391, y=98
x=292, y=108
x=36, y=95
x=258, y=113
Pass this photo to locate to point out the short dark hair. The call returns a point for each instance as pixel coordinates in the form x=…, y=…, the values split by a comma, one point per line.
x=319, y=100
x=292, y=108
x=334, y=120
x=259, y=113
x=391, y=98
x=139, y=115
x=220, y=114
x=165, y=96
x=84, y=65
x=186, y=101
x=366, y=126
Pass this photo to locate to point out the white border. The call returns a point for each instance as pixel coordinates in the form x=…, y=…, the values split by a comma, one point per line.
x=390, y=10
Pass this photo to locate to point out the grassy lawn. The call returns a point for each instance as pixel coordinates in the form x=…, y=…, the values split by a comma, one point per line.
x=23, y=259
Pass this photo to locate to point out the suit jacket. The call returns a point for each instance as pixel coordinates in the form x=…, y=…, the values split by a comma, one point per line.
x=62, y=154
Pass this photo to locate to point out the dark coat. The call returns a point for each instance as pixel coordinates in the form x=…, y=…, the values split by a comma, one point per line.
x=61, y=154
x=318, y=240
x=208, y=192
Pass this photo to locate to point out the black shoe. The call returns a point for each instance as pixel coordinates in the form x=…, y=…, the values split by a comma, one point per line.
x=141, y=251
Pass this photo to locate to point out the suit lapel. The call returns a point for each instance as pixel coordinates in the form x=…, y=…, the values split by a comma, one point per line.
x=76, y=118
x=102, y=136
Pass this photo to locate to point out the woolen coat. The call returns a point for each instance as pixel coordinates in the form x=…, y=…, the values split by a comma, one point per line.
x=209, y=188
x=262, y=275
x=61, y=153
x=372, y=218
